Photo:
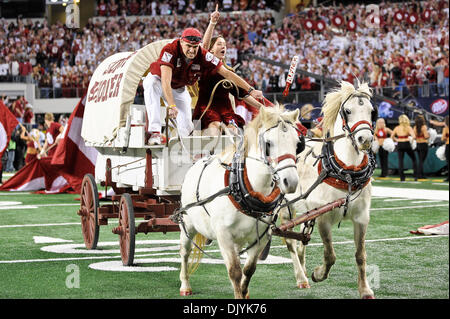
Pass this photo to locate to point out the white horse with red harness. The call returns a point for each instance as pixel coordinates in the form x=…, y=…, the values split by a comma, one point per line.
x=231, y=198
x=339, y=166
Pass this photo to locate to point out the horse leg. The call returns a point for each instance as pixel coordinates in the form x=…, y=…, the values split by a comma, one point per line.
x=250, y=266
x=301, y=252
x=185, y=251
x=291, y=244
x=249, y=270
x=360, y=235
x=321, y=272
x=232, y=262
x=299, y=270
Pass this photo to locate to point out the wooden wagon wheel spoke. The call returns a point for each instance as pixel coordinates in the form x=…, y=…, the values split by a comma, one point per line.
x=126, y=229
x=89, y=211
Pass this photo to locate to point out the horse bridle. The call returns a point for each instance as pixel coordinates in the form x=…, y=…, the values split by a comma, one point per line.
x=331, y=167
x=351, y=131
x=267, y=160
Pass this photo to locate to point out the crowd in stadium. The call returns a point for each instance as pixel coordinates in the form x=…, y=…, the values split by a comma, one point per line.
x=390, y=52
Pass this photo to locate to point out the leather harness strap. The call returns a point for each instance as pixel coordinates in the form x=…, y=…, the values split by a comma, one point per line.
x=267, y=201
x=339, y=183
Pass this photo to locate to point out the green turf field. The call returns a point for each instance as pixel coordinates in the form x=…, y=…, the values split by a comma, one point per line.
x=42, y=255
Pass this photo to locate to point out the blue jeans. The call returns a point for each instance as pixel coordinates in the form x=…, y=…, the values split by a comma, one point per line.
x=10, y=161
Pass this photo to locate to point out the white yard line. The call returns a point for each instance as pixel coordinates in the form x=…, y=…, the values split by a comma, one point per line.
x=38, y=225
x=274, y=247
x=407, y=207
x=115, y=221
x=426, y=201
x=13, y=207
x=374, y=240
x=14, y=193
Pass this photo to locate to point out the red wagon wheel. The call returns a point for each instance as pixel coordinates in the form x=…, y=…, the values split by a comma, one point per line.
x=89, y=211
x=127, y=229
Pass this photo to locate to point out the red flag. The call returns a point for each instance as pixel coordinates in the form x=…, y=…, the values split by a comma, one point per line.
x=248, y=112
x=37, y=175
x=8, y=123
x=351, y=25
x=338, y=20
x=72, y=156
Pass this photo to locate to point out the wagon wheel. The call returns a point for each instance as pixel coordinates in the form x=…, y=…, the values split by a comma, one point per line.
x=127, y=228
x=89, y=211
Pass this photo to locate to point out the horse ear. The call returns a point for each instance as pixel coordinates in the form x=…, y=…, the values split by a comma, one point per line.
x=292, y=116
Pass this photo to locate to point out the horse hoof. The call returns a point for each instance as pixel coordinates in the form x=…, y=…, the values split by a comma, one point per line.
x=304, y=285
x=187, y=292
x=368, y=297
x=247, y=296
x=313, y=278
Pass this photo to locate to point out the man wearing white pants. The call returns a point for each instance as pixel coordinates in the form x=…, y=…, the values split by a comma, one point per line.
x=181, y=63
x=152, y=94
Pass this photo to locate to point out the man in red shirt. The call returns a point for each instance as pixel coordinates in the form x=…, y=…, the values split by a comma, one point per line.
x=181, y=63
x=53, y=130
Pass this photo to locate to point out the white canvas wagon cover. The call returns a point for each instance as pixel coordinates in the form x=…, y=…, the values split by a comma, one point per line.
x=112, y=90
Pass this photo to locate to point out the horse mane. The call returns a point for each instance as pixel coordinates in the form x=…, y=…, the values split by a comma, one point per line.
x=334, y=99
x=270, y=118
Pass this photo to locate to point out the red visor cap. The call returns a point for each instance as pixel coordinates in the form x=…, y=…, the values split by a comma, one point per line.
x=192, y=36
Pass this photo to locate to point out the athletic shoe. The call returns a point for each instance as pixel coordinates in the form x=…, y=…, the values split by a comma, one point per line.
x=156, y=138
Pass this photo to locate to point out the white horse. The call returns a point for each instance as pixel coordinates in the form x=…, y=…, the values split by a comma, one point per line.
x=264, y=170
x=348, y=113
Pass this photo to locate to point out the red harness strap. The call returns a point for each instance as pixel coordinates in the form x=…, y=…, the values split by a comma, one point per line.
x=283, y=157
x=337, y=183
x=358, y=124
x=265, y=199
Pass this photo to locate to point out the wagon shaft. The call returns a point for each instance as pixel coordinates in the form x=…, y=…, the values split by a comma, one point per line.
x=304, y=238
x=312, y=214
x=282, y=231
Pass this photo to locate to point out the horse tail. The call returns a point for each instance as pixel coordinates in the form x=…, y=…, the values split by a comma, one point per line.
x=197, y=254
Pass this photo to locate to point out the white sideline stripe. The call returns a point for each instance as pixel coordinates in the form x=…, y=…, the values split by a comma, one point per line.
x=395, y=199
x=276, y=247
x=411, y=193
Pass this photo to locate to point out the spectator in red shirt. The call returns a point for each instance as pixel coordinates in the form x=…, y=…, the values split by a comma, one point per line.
x=181, y=63
x=18, y=108
x=102, y=8
x=133, y=7
x=113, y=8
x=28, y=115
x=25, y=68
